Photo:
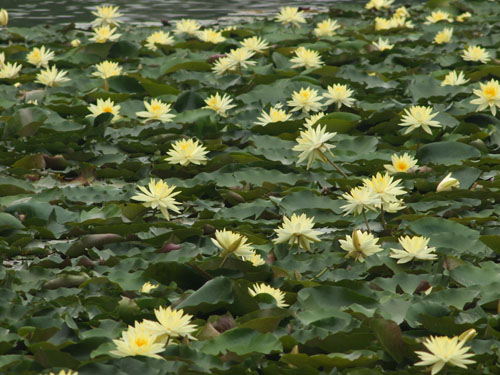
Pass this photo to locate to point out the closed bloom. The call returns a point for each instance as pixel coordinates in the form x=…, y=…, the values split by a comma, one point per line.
x=4, y=17
x=104, y=33
x=488, y=96
x=255, y=44
x=233, y=243
x=340, y=95
x=158, y=37
x=476, y=53
x=223, y=65
x=383, y=44
x=240, y=57
x=75, y=43
x=464, y=16
x=419, y=117
x=106, y=15
x=64, y=372
x=360, y=199
x=219, y=104
x=312, y=145
x=138, y=340
x=107, y=69
x=187, y=26
x=437, y=16
x=448, y=183
x=2, y=60
x=210, y=36
x=401, y=163
x=360, y=245
x=173, y=323
x=277, y=294
x=299, y=230
x=51, y=77
x=326, y=28
x=306, y=100
x=186, y=151
x=311, y=120
x=444, y=36
x=147, y=287
x=384, y=186
x=10, y=70
x=413, y=248
x=291, y=15
x=379, y=4
x=156, y=110
x=306, y=58
x=159, y=195
x=40, y=57
x=443, y=351
x=276, y=114
x=104, y=106
x=454, y=79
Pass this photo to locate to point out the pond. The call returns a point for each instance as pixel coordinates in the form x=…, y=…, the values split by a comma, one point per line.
x=33, y=12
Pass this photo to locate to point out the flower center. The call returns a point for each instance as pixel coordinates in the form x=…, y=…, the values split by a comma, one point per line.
x=490, y=92
x=107, y=109
x=402, y=166
x=140, y=342
x=155, y=108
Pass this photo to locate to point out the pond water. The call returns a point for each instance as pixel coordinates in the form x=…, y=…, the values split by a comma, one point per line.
x=33, y=12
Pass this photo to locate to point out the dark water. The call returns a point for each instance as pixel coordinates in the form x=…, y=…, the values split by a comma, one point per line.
x=34, y=12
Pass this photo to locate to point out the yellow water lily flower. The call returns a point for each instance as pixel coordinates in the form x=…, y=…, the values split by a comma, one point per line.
x=340, y=95
x=255, y=44
x=413, y=248
x=488, y=96
x=105, y=106
x=239, y=58
x=173, y=323
x=40, y=56
x=307, y=99
x=437, y=16
x=51, y=77
x=103, y=34
x=383, y=44
x=106, y=16
x=210, y=36
x=464, y=16
x=297, y=230
x=448, y=183
x=160, y=195
x=158, y=37
x=75, y=43
x=219, y=104
x=385, y=187
x=291, y=15
x=4, y=17
x=255, y=259
x=64, y=372
x=401, y=163
x=306, y=58
x=360, y=245
x=186, y=151
x=402, y=12
x=107, y=69
x=392, y=23
x=476, y=53
x=277, y=294
x=360, y=199
x=379, y=4
x=444, y=36
x=444, y=351
x=223, y=65
x=138, y=340
x=232, y=243
x=312, y=145
x=311, y=120
x=187, y=26
x=454, y=79
x=419, y=117
x=2, y=60
x=326, y=28
x=147, y=287
x=156, y=110
x=276, y=114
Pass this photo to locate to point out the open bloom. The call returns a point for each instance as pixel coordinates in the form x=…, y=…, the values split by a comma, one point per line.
x=223, y=65
x=383, y=44
x=173, y=323
x=106, y=15
x=277, y=294
x=360, y=245
x=220, y=104
x=311, y=120
x=276, y=114
x=104, y=33
x=419, y=117
x=138, y=340
x=394, y=22
x=51, y=77
x=159, y=195
x=107, y=69
x=156, y=110
x=64, y=372
x=359, y=199
x=437, y=16
x=233, y=243
x=187, y=26
x=255, y=259
x=402, y=12
x=291, y=15
x=4, y=17
x=488, y=96
x=413, y=248
x=210, y=36
x=10, y=70
x=401, y=163
x=158, y=37
x=385, y=187
x=104, y=106
x=476, y=53
x=379, y=4
x=306, y=100
x=147, y=287
x=186, y=151
x=40, y=56
x=312, y=145
x=340, y=95
x=299, y=230
x=444, y=36
x=444, y=350
x=306, y=58
x=448, y=183
x=326, y=28
x=454, y=79
x=255, y=44
x=239, y=58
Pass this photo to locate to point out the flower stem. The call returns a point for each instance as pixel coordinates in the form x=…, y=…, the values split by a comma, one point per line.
x=168, y=340
x=224, y=260
x=337, y=167
x=382, y=217
x=366, y=221
x=106, y=85
x=338, y=106
x=418, y=140
x=298, y=246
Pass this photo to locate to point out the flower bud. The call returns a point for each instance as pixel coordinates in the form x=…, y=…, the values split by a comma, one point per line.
x=4, y=17
x=467, y=335
x=448, y=183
